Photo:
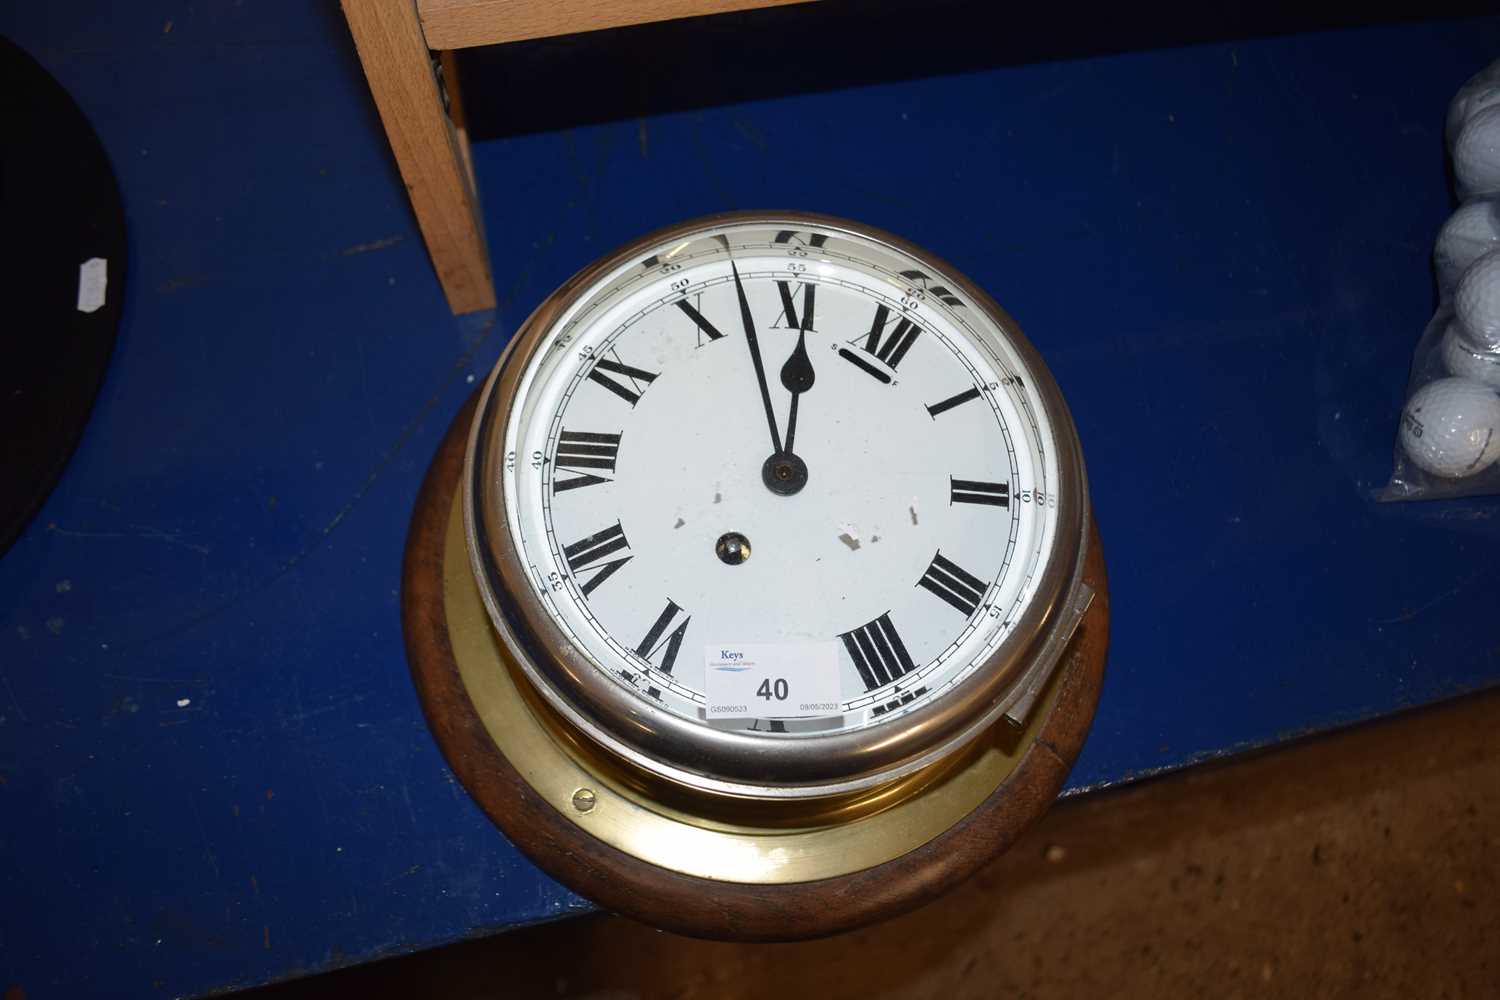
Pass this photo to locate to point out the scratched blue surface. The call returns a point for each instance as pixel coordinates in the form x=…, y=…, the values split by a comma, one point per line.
x=213, y=767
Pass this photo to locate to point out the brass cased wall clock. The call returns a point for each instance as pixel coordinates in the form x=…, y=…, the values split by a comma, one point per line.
x=757, y=595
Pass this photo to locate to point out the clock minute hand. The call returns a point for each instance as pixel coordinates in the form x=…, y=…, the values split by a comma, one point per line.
x=760, y=368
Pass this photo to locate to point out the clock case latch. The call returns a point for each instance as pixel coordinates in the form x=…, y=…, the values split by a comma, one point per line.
x=1026, y=694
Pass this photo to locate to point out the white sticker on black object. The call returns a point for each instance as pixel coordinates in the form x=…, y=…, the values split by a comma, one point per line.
x=93, y=281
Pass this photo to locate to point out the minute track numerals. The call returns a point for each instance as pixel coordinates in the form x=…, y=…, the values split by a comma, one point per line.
x=923, y=283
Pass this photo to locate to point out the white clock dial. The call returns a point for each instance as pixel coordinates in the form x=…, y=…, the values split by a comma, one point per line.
x=784, y=438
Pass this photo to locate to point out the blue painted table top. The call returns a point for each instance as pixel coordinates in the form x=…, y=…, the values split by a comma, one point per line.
x=213, y=767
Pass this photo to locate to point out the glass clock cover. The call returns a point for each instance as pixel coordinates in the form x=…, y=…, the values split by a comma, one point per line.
x=776, y=504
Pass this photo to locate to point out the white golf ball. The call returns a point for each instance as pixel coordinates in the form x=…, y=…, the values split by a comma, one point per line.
x=1476, y=154
x=1451, y=427
x=1476, y=301
x=1469, y=232
x=1462, y=360
x=1482, y=91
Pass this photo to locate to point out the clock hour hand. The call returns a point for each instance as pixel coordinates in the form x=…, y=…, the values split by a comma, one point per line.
x=797, y=376
x=760, y=368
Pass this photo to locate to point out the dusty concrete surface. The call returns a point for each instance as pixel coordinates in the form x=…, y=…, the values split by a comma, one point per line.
x=1361, y=864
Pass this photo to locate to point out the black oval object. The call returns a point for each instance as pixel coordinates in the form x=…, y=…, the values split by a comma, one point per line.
x=61, y=210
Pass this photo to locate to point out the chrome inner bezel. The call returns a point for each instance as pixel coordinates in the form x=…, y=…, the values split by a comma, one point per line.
x=743, y=763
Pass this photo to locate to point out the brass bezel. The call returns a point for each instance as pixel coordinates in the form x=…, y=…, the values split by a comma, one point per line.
x=712, y=838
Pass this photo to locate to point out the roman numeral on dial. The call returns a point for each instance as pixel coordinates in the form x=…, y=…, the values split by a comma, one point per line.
x=705, y=328
x=635, y=379
x=902, y=698
x=668, y=646
x=955, y=585
x=888, y=348
x=878, y=652
x=788, y=320
x=589, y=555
x=959, y=399
x=580, y=450
x=974, y=491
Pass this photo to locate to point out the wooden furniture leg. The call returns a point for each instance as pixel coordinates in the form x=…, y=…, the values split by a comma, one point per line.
x=431, y=154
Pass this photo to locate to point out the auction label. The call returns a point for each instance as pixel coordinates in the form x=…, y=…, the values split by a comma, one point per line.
x=772, y=680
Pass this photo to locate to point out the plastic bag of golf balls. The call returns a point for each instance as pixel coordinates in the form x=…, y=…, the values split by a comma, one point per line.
x=1448, y=442
x=1473, y=134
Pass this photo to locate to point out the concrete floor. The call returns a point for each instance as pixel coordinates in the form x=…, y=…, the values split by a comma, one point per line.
x=1360, y=864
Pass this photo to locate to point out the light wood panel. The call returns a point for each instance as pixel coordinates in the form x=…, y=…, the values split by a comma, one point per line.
x=457, y=24
x=429, y=152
